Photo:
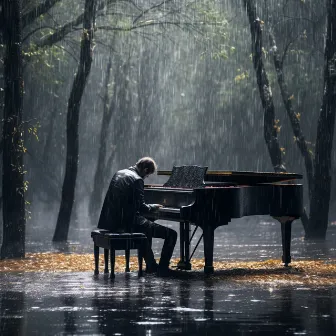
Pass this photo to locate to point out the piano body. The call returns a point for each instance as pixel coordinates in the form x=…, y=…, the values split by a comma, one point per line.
x=208, y=199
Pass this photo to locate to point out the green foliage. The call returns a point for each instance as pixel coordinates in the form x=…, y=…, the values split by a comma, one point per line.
x=215, y=28
x=33, y=129
x=242, y=75
x=44, y=61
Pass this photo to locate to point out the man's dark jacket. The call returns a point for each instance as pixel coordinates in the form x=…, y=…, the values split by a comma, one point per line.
x=124, y=202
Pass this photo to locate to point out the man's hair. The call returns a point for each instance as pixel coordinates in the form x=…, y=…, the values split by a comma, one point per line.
x=147, y=162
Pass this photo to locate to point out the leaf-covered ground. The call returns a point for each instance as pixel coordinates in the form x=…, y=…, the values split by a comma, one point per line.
x=316, y=273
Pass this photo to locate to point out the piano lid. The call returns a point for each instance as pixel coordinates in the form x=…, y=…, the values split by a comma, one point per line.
x=243, y=177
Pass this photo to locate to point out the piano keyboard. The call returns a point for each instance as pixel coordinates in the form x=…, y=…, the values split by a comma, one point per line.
x=165, y=213
x=170, y=210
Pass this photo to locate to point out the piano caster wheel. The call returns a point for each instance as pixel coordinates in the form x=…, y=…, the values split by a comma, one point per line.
x=96, y=272
x=112, y=276
x=106, y=271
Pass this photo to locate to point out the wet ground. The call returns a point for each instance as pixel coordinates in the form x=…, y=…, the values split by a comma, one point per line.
x=66, y=303
x=78, y=303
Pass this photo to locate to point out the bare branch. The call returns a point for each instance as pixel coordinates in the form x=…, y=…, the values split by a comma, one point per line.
x=61, y=32
x=41, y=9
x=68, y=28
x=150, y=9
x=150, y=23
x=35, y=30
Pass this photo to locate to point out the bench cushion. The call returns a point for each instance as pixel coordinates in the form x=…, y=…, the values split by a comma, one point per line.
x=112, y=235
x=99, y=231
x=125, y=235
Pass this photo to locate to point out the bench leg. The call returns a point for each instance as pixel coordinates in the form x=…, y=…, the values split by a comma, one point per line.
x=127, y=255
x=106, y=260
x=140, y=259
x=112, y=255
x=96, y=258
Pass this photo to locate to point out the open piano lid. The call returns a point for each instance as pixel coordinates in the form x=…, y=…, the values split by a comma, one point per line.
x=239, y=177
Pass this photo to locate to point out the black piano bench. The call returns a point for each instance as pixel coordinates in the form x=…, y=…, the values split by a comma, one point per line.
x=117, y=241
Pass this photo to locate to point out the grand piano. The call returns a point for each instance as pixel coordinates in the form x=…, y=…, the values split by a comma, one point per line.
x=207, y=199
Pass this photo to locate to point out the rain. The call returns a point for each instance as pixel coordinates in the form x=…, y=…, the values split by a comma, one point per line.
x=244, y=88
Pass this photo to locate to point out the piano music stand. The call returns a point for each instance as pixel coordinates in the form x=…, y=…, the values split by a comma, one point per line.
x=186, y=177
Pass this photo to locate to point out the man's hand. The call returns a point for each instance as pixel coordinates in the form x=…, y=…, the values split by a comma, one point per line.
x=156, y=207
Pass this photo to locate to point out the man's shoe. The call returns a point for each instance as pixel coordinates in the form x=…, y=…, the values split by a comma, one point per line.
x=166, y=272
x=152, y=269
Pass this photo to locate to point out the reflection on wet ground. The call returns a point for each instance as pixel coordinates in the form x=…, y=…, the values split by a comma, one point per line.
x=78, y=303
x=59, y=304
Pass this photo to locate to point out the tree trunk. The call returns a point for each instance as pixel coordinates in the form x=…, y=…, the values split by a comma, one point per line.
x=68, y=189
x=295, y=123
x=270, y=127
x=319, y=204
x=14, y=223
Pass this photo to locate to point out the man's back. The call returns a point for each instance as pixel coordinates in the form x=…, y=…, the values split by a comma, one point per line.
x=120, y=204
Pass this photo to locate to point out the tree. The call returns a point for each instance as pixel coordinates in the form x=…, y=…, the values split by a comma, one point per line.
x=84, y=66
x=13, y=245
x=320, y=198
x=270, y=127
x=318, y=169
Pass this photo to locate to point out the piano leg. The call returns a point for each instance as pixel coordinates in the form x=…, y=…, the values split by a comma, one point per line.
x=181, y=244
x=106, y=260
x=208, y=241
x=286, y=232
x=187, y=245
x=184, y=246
x=112, y=261
x=96, y=258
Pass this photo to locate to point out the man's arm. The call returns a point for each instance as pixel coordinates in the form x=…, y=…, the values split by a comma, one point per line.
x=140, y=198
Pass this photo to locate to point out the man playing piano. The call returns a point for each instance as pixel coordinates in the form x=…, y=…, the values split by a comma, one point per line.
x=123, y=210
